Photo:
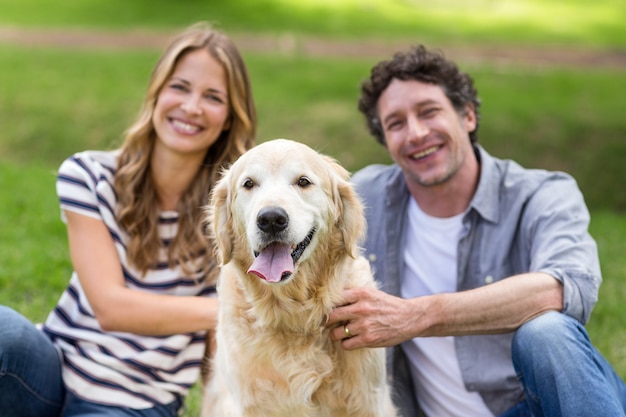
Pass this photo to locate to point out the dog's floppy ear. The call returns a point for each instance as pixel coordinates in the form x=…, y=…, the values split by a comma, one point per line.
x=350, y=209
x=220, y=219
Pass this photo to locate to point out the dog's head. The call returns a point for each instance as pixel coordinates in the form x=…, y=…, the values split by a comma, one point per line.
x=281, y=203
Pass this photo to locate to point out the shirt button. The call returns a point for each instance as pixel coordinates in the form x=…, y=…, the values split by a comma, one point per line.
x=488, y=279
x=372, y=257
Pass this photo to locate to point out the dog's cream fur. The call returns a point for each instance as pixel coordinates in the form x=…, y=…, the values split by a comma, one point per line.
x=274, y=355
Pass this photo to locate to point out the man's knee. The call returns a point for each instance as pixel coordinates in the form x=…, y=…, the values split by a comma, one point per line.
x=548, y=338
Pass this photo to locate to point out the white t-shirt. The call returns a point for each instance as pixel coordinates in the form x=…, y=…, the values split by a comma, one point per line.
x=430, y=257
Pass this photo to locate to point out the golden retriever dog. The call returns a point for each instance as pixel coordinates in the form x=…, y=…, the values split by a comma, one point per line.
x=287, y=224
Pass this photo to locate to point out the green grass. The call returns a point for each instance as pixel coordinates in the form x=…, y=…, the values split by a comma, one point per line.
x=34, y=261
x=561, y=22
x=57, y=101
x=64, y=101
x=568, y=120
x=608, y=320
x=61, y=102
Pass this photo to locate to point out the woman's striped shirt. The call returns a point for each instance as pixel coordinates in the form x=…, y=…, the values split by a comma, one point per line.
x=116, y=368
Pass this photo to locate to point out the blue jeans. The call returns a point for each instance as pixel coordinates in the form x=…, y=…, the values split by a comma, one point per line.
x=30, y=369
x=31, y=383
x=77, y=407
x=562, y=373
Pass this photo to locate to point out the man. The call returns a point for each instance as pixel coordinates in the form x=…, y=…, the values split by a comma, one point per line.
x=487, y=270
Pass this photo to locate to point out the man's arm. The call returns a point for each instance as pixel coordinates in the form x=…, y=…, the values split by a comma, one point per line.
x=377, y=319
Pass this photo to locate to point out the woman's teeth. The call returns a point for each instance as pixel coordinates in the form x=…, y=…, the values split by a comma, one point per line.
x=185, y=127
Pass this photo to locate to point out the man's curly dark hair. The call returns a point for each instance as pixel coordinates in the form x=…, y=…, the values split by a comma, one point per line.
x=423, y=65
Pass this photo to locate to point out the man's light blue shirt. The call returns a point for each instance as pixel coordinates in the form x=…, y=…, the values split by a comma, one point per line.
x=520, y=220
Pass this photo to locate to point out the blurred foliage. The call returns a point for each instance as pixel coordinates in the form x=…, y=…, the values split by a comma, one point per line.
x=565, y=22
x=58, y=101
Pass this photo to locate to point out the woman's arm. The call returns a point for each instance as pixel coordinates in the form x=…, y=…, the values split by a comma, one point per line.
x=118, y=308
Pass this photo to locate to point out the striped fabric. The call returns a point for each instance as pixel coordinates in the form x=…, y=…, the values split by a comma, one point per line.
x=120, y=369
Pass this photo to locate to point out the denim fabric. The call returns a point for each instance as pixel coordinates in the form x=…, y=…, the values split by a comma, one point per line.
x=30, y=369
x=519, y=410
x=31, y=382
x=562, y=373
x=78, y=407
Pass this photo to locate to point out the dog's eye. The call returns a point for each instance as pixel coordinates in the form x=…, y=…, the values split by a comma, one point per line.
x=303, y=182
x=248, y=184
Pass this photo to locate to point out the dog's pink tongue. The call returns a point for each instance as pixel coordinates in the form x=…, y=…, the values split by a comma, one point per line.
x=273, y=262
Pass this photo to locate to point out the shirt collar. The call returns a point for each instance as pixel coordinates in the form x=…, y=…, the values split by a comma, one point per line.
x=397, y=191
x=486, y=200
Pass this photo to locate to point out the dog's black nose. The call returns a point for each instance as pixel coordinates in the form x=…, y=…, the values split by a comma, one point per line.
x=272, y=219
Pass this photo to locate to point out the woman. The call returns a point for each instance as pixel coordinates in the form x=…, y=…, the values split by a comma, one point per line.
x=130, y=327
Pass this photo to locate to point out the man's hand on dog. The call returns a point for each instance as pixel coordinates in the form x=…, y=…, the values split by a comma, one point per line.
x=375, y=319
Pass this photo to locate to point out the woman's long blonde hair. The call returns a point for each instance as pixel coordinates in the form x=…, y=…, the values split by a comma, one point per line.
x=137, y=209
